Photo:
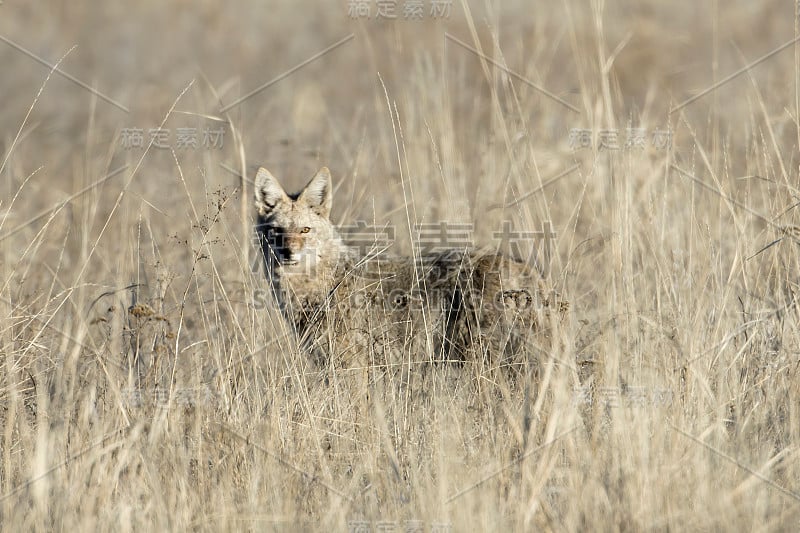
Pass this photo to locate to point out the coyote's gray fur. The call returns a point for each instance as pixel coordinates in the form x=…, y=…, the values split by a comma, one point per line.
x=354, y=309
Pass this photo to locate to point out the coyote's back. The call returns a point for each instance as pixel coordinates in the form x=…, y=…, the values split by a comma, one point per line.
x=350, y=308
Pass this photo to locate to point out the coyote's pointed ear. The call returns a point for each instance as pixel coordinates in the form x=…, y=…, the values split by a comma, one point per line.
x=317, y=194
x=268, y=191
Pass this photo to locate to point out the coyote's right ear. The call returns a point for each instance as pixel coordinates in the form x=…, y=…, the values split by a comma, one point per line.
x=268, y=191
x=317, y=194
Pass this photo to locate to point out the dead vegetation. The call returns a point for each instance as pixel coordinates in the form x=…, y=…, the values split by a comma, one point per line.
x=148, y=382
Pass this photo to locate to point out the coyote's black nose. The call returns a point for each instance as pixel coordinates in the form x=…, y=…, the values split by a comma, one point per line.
x=277, y=246
x=283, y=254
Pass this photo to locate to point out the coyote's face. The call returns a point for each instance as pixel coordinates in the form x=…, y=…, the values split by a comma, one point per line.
x=295, y=230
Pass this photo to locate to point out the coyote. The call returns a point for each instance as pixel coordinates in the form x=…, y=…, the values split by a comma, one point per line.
x=354, y=308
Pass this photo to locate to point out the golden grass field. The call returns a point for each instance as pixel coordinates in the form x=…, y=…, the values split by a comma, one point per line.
x=149, y=383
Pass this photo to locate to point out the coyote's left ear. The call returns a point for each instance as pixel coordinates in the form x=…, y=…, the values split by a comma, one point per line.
x=268, y=192
x=317, y=194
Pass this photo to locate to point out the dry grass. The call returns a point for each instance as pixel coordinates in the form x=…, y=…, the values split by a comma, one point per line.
x=147, y=382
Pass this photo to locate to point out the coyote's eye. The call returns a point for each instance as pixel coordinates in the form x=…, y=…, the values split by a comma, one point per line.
x=305, y=230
